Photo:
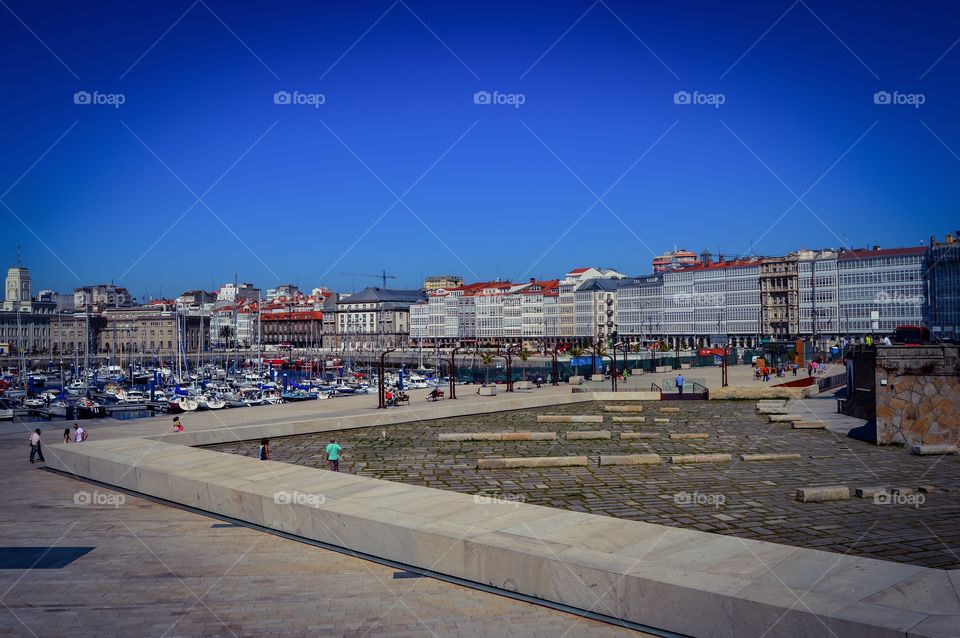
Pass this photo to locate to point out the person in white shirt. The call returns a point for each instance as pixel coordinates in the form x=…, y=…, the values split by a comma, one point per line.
x=887, y=342
x=35, y=447
x=79, y=434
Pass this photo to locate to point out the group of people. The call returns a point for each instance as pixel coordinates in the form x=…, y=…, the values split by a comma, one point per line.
x=332, y=453
x=78, y=435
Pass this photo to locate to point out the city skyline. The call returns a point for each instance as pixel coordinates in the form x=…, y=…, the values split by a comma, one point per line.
x=422, y=138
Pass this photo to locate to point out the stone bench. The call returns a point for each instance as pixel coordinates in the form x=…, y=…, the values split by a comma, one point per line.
x=929, y=450
x=784, y=418
x=639, y=435
x=823, y=494
x=531, y=461
x=808, y=425
x=575, y=380
x=587, y=435
x=669, y=410
x=629, y=419
x=690, y=435
x=523, y=385
x=569, y=418
x=487, y=391
x=623, y=408
x=770, y=457
x=497, y=436
x=630, y=459
x=701, y=458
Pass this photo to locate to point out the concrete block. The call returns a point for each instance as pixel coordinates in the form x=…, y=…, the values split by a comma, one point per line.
x=689, y=435
x=597, y=378
x=569, y=418
x=661, y=420
x=531, y=461
x=630, y=459
x=784, y=418
x=808, y=425
x=769, y=457
x=669, y=410
x=664, y=368
x=628, y=419
x=823, y=494
x=639, y=435
x=523, y=385
x=487, y=391
x=764, y=411
x=701, y=458
x=575, y=380
x=543, y=436
x=623, y=408
x=587, y=435
x=929, y=450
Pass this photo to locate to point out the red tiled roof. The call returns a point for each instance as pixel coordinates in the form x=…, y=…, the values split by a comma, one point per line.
x=577, y=271
x=883, y=252
x=719, y=265
x=293, y=316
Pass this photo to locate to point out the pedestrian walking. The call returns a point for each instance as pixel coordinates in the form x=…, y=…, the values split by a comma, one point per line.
x=35, y=448
x=680, y=381
x=766, y=373
x=334, y=452
x=264, y=453
x=79, y=434
x=66, y=435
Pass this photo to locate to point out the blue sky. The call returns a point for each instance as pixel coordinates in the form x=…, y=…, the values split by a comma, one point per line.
x=400, y=169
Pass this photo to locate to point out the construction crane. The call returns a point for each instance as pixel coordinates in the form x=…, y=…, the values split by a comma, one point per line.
x=383, y=276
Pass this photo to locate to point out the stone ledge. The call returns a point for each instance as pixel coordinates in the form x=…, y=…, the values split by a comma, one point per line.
x=929, y=450
x=623, y=408
x=531, y=461
x=769, y=457
x=569, y=418
x=701, y=458
x=808, y=425
x=640, y=435
x=630, y=459
x=823, y=494
x=784, y=418
x=587, y=435
x=497, y=436
x=628, y=419
x=690, y=435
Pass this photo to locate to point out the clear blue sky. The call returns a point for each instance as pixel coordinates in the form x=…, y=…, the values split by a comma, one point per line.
x=295, y=192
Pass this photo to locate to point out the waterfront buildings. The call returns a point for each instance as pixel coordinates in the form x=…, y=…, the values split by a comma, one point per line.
x=375, y=318
x=880, y=289
x=24, y=321
x=943, y=287
x=102, y=296
x=779, y=297
x=442, y=282
x=674, y=259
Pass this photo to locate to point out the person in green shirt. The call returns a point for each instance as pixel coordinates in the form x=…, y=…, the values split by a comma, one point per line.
x=334, y=452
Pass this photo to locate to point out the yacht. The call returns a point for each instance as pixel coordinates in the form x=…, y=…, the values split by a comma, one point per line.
x=182, y=404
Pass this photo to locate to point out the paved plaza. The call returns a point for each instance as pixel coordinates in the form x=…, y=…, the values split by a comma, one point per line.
x=160, y=571
x=750, y=500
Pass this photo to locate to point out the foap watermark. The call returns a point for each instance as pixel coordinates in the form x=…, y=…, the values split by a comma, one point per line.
x=98, y=499
x=516, y=100
x=96, y=98
x=300, y=99
x=699, y=299
x=299, y=498
x=899, y=498
x=484, y=498
x=896, y=297
x=696, y=498
x=716, y=100
x=916, y=100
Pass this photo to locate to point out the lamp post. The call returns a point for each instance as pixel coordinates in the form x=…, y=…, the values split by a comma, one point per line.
x=381, y=372
x=453, y=371
x=508, y=358
x=554, y=364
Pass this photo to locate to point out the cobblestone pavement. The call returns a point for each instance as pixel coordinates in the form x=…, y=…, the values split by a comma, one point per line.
x=750, y=500
x=163, y=572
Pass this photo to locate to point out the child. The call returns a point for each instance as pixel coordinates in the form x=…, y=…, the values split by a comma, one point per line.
x=264, y=453
x=333, y=455
x=176, y=424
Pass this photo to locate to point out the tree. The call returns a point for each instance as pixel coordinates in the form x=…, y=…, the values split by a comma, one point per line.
x=576, y=352
x=523, y=355
x=226, y=333
x=486, y=358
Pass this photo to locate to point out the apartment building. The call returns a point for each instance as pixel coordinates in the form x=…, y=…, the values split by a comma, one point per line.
x=880, y=289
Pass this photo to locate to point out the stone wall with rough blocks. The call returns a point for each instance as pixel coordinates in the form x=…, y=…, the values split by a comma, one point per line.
x=918, y=395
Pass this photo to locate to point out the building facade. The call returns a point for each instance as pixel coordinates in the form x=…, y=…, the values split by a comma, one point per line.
x=375, y=318
x=880, y=289
x=102, y=296
x=779, y=296
x=943, y=287
x=442, y=282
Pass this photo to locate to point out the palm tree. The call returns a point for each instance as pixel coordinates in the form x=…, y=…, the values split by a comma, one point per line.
x=226, y=333
x=523, y=355
x=576, y=352
x=486, y=358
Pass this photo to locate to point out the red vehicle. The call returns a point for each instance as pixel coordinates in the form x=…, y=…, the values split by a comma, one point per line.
x=911, y=335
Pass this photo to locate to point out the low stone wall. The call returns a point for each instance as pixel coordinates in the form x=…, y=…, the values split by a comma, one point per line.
x=761, y=392
x=918, y=395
